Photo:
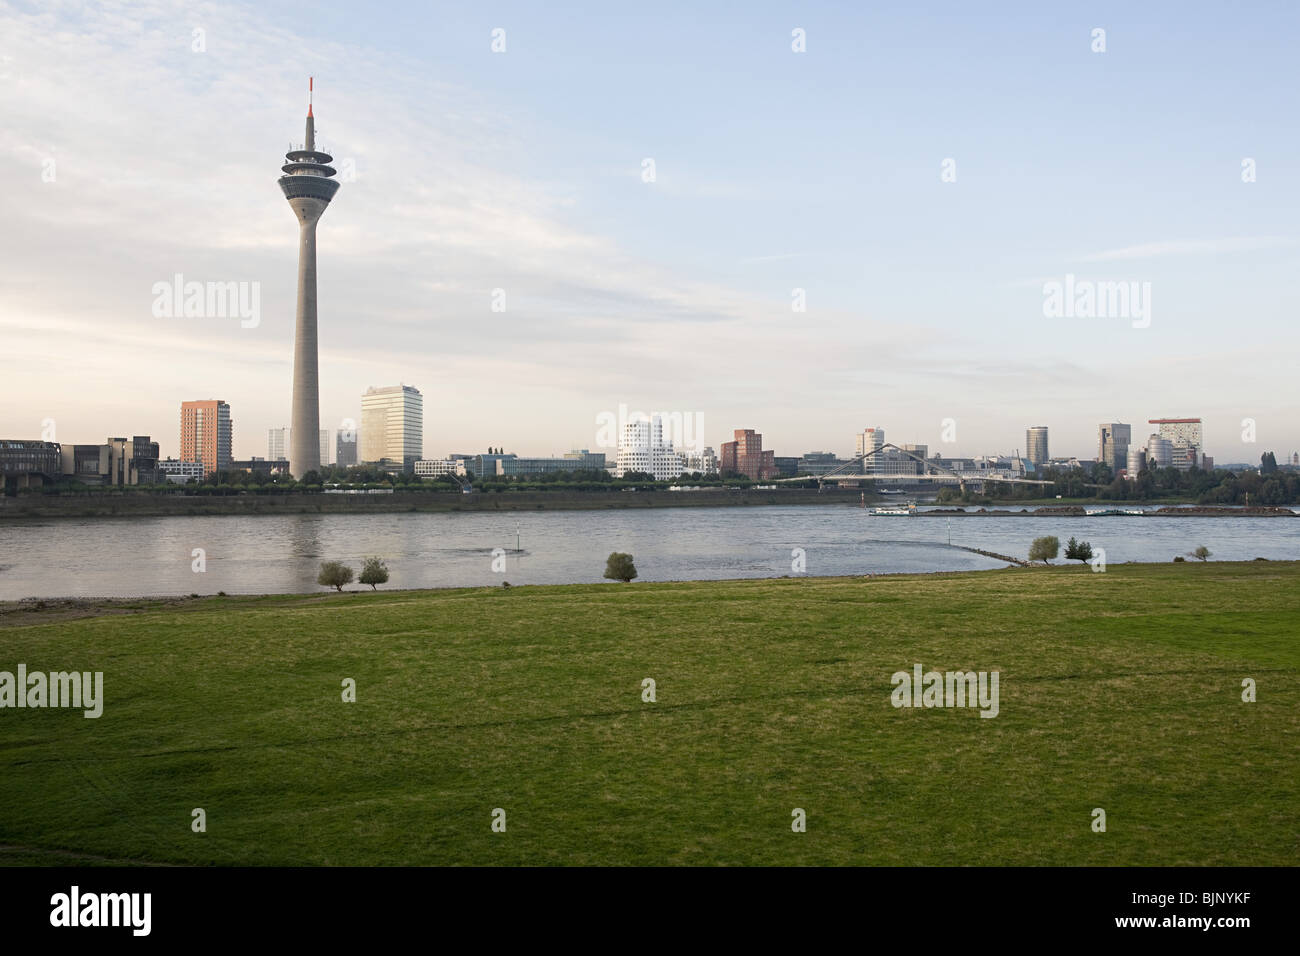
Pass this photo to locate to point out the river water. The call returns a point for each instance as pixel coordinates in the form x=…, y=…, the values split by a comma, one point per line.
x=117, y=557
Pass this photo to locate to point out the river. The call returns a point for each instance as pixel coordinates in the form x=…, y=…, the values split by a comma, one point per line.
x=119, y=557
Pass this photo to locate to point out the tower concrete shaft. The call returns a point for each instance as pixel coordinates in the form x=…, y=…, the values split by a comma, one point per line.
x=308, y=187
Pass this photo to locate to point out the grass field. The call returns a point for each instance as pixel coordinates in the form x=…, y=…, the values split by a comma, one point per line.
x=1119, y=690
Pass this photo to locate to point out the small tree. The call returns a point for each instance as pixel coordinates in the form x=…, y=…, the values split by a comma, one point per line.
x=334, y=574
x=1078, y=551
x=1201, y=552
x=374, y=572
x=1045, y=549
x=619, y=567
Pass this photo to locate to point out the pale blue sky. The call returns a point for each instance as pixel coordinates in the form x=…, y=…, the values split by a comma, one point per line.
x=775, y=170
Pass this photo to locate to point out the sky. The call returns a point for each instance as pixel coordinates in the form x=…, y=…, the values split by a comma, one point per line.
x=915, y=176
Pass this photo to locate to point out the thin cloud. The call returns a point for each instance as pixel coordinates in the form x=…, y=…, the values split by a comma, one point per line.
x=1189, y=247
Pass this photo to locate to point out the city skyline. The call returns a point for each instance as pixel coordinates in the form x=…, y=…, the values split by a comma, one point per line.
x=616, y=289
x=277, y=439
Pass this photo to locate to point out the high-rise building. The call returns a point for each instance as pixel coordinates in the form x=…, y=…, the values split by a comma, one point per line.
x=345, y=450
x=277, y=443
x=745, y=456
x=642, y=448
x=1112, y=445
x=1036, y=446
x=1184, y=434
x=868, y=440
x=392, y=425
x=1186, y=430
x=207, y=434
x=325, y=449
x=308, y=186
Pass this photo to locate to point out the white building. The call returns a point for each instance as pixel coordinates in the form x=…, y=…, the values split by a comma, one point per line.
x=180, y=472
x=277, y=444
x=436, y=467
x=1179, y=429
x=706, y=462
x=1184, y=435
x=642, y=448
x=870, y=439
x=326, y=447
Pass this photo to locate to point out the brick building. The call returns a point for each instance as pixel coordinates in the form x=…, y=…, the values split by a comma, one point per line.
x=745, y=456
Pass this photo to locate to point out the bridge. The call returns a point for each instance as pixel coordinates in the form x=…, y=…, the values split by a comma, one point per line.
x=932, y=473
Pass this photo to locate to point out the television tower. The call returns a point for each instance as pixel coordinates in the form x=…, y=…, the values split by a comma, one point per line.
x=308, y=187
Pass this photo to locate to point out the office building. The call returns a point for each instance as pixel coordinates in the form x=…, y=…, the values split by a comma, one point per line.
x=392, y=426
x=28, y=463
x=820, y=462
x=1137, y=461
x=207, y=434
x=869, y=440
x=325, y=449
x=703, y=463
x=580, y=459
x=1036, y=445
x=345, y=454
x=261, y=466
x=436, y=467
x=1160, y=453
x=1185, y=456
x=118, y=462
x=277, y=443
x=180, y=472
x=1184, y=435
x=745, y=456
x=1186, y=430
x=1112, y=445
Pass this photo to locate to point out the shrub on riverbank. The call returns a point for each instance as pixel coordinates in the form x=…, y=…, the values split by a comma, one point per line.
x=619, y=567
x=334, y=574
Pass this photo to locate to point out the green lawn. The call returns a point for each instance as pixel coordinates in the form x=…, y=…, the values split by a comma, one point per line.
x=1119, y=690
